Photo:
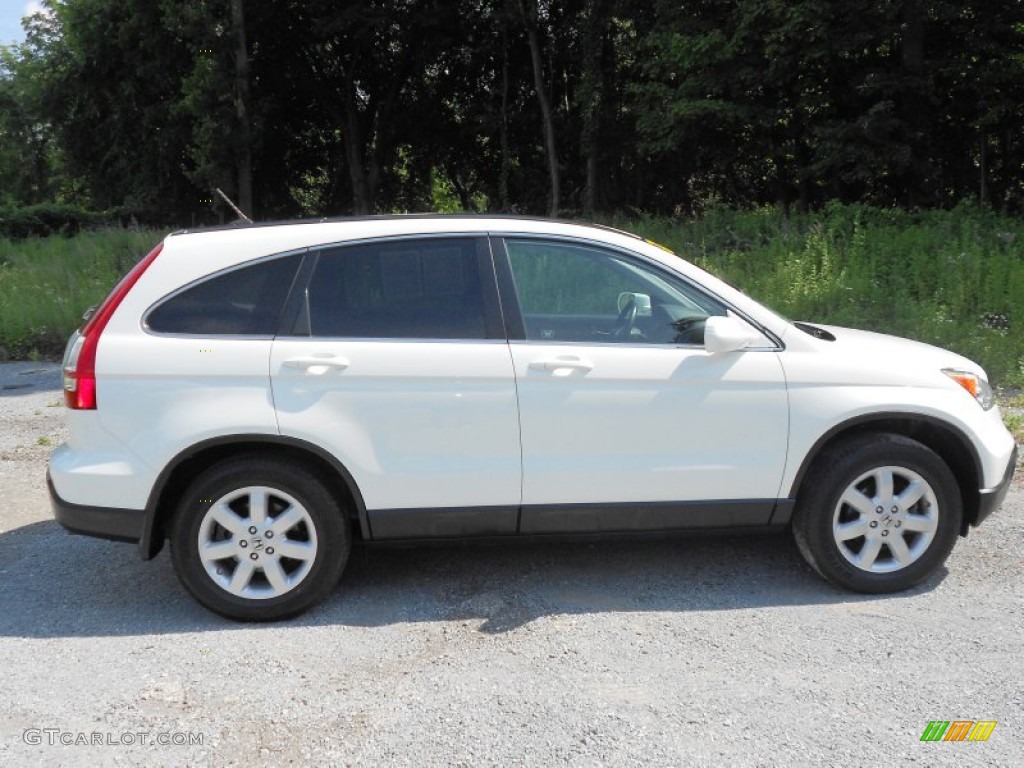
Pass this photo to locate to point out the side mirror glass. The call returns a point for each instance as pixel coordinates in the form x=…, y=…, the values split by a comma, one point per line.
x=726, y=334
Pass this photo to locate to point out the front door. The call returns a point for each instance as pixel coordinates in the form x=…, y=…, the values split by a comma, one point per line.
x=627, y=422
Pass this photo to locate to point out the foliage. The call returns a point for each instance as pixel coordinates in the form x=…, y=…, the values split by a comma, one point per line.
x=379, y=106
x=908, y=104
x=51, y=219
x=46, y=284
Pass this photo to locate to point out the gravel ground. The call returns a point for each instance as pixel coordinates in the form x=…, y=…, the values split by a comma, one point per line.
x=701, y=651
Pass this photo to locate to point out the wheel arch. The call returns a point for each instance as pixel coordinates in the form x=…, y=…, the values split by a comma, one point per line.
x=186, y=465
x=949, y=442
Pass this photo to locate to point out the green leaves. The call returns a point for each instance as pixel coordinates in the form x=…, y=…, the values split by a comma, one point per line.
x=407, y=106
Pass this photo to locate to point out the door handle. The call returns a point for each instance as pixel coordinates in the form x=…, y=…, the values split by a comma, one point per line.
x=568, y=364
x=317, y=364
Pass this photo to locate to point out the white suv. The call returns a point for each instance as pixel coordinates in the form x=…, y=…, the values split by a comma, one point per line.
x=261, y=396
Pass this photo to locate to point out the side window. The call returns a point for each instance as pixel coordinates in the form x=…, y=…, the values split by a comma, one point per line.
x=245, y=301
x=405, y=289
x=570, y=292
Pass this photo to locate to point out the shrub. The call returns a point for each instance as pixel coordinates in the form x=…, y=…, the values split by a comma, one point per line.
x=51, y=219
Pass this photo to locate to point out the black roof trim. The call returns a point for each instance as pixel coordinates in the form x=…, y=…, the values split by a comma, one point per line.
x=397, y=216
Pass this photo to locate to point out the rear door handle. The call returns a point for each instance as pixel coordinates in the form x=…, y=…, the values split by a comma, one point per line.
x=317, y=364
x=555, y=364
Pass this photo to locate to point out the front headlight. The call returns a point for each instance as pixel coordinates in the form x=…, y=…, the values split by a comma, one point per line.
x=975, y=385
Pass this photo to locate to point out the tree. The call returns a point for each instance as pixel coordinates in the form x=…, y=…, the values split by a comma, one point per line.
x=241, y=97
x=106, y=68
x=311, y=107
x=28, y=161
x=530, y=14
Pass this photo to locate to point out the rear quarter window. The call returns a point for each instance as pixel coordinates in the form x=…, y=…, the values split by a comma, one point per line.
x=243, y=301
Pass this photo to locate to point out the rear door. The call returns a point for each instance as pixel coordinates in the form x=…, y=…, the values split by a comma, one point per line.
x=396, y=362
x=627, y=422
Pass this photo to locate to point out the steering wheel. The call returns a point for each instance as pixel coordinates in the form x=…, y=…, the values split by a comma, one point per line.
x=689, y=330
x=624, y=322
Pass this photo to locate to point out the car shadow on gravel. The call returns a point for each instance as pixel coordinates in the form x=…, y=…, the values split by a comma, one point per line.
x=58, y=585
x=28, y=378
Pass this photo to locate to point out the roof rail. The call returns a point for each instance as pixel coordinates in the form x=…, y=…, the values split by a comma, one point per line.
x=396, y=216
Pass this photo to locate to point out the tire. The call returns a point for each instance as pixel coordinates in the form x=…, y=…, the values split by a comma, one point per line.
x=842, y=534
x=255, y=539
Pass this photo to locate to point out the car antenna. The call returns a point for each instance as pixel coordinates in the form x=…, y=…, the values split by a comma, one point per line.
x=234, y=207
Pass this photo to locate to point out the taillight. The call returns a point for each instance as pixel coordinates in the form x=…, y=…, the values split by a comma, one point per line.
x=80, y=355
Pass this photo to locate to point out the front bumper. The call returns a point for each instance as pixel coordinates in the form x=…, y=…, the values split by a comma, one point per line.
x=989, y=499
x=102, y=522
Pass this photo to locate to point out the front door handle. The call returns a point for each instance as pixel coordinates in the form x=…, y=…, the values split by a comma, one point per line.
x=317, y=364
x=567, y=364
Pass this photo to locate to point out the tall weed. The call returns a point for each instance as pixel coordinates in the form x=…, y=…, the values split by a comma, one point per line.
x=952, y=278
x=47, y=283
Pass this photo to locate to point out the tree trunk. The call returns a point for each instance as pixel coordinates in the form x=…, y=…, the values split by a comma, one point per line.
x=914, y=111
x=912, y=50
x=983, y=169
x=506, y=160
x=591, y=92
x=353, y=137
x=533, y=38
x=243, y=152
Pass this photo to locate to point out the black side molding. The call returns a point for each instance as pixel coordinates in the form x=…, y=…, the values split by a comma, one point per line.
x=433, y=523
x=645, y=516
x=625, y=517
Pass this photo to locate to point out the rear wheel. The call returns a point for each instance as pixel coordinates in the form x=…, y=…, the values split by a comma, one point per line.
x=880, y=513
x=258, y=540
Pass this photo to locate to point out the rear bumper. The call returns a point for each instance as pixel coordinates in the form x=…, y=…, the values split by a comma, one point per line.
x=102, y=522
x=989, y=499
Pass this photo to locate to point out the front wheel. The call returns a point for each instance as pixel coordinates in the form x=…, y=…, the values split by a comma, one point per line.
x=259, y=540
x=880, y=513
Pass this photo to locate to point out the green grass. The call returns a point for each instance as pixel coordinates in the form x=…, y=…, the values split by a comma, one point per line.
x=47, y=283
x=934, y=276
x=1015, y=423
x=1012, y=407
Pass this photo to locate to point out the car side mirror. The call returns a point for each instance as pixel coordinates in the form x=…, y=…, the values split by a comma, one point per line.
x=725, y=334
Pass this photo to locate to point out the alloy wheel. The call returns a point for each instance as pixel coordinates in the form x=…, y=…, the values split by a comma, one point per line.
x=885, y=519
x=257, y=542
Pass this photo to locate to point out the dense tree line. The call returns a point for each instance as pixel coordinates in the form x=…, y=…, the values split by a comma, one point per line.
x=314, y=107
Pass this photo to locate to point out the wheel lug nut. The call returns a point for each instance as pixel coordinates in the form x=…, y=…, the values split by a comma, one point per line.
x=895, y=509
x=885, y=532
x=243, y=543
x=879, y=510
x=254, y=556
x=252, y=529
x=874, y=523
x=269, y=534
x=270, y=550
x=898, y=523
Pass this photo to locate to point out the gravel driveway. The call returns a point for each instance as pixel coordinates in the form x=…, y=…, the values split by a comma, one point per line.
x=700, y=651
